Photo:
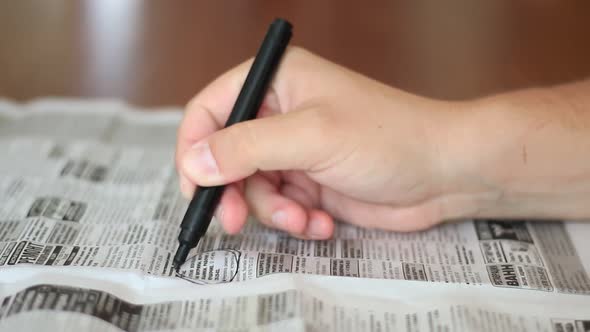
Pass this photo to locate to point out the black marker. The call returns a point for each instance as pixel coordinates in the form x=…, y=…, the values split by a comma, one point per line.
x=202, y=206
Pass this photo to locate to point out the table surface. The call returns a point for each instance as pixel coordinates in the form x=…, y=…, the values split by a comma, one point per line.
x=153, y=53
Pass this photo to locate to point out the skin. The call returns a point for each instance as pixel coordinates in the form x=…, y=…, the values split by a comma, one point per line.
x=330, y=144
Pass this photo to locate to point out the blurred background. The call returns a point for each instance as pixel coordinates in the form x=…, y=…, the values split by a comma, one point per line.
x=153, y=53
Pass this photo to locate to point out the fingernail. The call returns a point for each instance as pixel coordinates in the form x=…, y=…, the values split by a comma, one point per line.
x=315, y=229
x=279, y=219
x=200, y=159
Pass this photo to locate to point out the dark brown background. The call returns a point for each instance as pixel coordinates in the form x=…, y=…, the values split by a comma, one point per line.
x=162, y=52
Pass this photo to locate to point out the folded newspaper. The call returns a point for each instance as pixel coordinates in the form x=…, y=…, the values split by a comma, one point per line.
x=89, y=215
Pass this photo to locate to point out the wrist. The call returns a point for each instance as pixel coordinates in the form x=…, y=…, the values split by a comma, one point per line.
x=516, y=157
x=470, y=185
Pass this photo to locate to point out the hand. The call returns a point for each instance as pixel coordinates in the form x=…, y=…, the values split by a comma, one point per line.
x=328, y=143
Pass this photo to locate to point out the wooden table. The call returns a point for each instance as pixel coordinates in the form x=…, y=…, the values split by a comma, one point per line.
x=162, y=52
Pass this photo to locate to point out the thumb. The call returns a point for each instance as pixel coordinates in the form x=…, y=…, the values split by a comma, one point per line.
x=299, y=140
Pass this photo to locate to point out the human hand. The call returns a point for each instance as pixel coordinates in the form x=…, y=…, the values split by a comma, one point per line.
x=328, y=143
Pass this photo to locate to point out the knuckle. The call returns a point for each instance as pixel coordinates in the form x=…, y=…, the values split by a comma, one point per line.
x=324, y=124
x=246, y=141
x=324, y=138
x=297, y=56
x=295, y=48
x=297, y=51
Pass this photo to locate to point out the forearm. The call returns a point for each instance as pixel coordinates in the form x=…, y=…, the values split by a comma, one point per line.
x=529, y=150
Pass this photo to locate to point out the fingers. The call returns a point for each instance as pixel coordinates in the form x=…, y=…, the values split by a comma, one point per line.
x=282, y=142
x=208, y=155
x=232, y=211
x=297, y=194
x=262, y=198
x=304, y=187
x=300, y=78
x=278, y=211
x=320, y=225
x=273, y=209
x=208, y=111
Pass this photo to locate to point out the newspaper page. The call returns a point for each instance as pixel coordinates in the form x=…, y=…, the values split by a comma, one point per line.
x=286, y=302
x=92, y=186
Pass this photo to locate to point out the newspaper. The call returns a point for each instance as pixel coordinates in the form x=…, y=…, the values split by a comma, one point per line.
x=89, y=215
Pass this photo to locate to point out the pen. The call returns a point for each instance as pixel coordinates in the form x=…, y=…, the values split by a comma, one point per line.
x=204, y=202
